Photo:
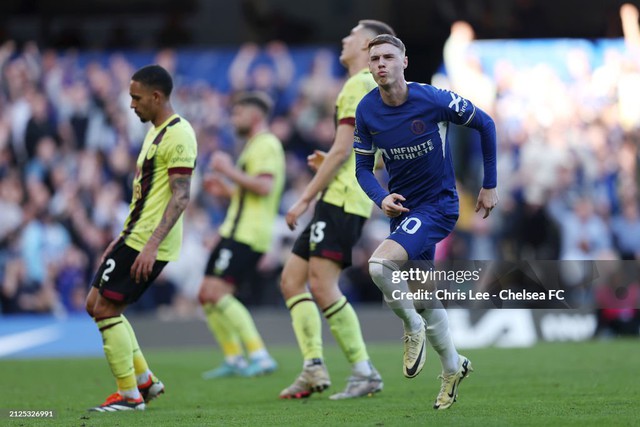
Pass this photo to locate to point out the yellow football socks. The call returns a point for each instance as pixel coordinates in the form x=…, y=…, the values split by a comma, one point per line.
x=228, y=340
x=345, y=328
x=307, y=325
x=140, y=365
x=118, y=351
x=236, y=315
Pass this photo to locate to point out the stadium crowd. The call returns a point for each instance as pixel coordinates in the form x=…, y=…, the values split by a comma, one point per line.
x=568, y=172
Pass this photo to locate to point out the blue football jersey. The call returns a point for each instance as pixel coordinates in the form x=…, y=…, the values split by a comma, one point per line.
x=412, y=138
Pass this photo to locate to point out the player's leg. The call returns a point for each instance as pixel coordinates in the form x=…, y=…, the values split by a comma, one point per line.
x=241, y=322
x=118, y=351
x=112, y=290
x=382, y=269
x=227, y=338
x=345, y=327
x=149, y=385
x=231, y=263
x=305, y=317
x=455, y=367
x=306, y=322
x=333, y=236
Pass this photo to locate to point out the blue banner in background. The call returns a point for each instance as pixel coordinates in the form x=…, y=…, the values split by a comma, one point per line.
x=552, y=52
x=46, y=336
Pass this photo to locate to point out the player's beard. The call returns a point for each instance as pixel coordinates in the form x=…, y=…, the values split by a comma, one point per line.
x=142, y=118
x=243, y=131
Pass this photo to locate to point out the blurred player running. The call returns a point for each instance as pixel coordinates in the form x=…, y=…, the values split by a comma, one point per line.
x=258, y=181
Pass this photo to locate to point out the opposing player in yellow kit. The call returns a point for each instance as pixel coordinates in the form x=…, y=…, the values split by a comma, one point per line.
x=257, y=183
x=323, y=249
x=152, y=236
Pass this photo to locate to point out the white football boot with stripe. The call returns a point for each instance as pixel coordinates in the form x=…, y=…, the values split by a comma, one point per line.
x=450, y=383
x=415, y=352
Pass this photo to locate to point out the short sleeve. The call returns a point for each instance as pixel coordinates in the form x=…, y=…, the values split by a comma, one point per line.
x=180, y=150
x=352, y=92
x=264, y=158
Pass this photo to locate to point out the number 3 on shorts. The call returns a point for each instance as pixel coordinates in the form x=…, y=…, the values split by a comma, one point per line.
x=317, y=231
x=410, y=225
x=223, y=260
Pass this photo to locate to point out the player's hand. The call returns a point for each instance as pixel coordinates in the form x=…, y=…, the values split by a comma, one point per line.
x=215, y=185
x=221, y=162
x=295, y=212
x=109, y=249
x=315, y=160
x=143, y=265
x=629, y=12
x=392, y=206
x=487, y=200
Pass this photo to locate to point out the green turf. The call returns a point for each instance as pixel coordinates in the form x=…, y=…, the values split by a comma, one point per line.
x=591, y=383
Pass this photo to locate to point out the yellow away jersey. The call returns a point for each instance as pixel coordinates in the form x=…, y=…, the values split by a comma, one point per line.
x=250, y=217
x=344, y=190
x=168, y=148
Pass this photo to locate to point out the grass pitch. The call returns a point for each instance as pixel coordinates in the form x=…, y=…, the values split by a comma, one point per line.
x=590, y=383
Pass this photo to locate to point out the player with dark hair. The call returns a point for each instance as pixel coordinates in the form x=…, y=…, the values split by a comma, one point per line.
x=156, y=77
x=407, y=123
x=152, y=236
x=247, y=231
x=323, y=249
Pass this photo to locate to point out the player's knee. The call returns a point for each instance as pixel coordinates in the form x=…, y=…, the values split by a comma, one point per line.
x=105, y=308
x=317, y=284
x=90, y=303
x=202, y=295
x=317, y=288
x=89, y=307
x=212, y=290
x=206, y=294
x=287, y=285
x=376, y=269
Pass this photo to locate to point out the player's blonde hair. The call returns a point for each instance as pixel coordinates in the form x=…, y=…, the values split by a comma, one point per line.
x=387, y=38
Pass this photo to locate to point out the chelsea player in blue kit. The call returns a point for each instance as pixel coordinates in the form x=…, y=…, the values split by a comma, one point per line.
x=408, y=123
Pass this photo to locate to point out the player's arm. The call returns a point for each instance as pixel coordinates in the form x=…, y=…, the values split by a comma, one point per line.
x=180, y=185
x=332, y=161
x=261, y=184
x=326, y=171
x=390, y=203
x=216, y=185
x=365, y=161
x=460, y=111
x=365, y=164
x=488, y=196
x=630, y=29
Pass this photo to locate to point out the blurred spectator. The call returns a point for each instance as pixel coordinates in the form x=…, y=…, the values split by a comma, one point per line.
x=626, y=231
x=618, y=301
x=270, y=72
x=584, y=235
